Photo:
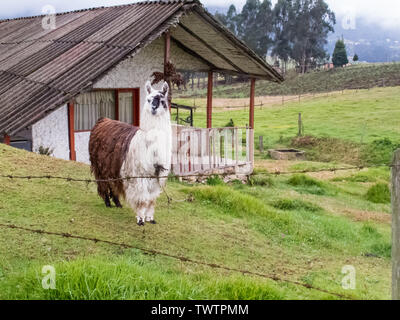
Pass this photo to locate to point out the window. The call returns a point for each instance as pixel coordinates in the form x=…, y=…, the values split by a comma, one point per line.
x=120, y=104
x=91, y=106
x=125, y=109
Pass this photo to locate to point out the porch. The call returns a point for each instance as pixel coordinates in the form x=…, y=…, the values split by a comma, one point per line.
x=207, y=151
x=213, y=150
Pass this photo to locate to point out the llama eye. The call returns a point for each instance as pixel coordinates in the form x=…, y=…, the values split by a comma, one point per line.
x=148, y=100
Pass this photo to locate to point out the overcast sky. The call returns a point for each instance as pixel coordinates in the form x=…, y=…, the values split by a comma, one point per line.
x=384, y=12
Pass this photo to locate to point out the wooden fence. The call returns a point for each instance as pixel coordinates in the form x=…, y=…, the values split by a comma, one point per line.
x=201, y=150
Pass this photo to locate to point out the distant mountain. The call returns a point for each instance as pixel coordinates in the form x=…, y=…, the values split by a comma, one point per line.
x=371, y=42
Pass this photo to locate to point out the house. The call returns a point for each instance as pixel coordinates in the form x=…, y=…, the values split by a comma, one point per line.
x=56, y=82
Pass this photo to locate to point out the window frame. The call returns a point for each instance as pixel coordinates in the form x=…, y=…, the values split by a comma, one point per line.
x=135, y=103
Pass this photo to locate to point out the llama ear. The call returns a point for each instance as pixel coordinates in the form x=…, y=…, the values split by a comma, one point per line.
x=148, y=87
x=165, y=88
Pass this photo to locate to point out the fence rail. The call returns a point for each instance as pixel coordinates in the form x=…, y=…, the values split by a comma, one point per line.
x=202, y=150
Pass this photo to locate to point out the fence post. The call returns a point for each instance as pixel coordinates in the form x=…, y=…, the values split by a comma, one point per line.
x=396, y=226
x=261, y=143
x=300, y=133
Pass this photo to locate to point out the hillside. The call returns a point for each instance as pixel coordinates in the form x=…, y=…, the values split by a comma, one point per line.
x=296, y=228
x=362, y=76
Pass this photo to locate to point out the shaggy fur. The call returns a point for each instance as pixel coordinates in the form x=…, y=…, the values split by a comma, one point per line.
x=121, y=150
x=108, y=146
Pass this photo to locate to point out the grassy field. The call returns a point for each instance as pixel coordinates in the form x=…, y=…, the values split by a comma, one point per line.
x=353, y=122
x=363, y=76
x=301, y=228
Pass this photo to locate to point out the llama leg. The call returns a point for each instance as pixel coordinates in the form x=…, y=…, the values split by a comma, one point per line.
x=150, y=213
x=115, y=199
x=107, y=201
x=141, y=215
x=102, y=190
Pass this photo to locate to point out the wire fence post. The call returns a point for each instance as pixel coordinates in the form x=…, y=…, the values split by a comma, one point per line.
x=261, y=144
x=396, y=226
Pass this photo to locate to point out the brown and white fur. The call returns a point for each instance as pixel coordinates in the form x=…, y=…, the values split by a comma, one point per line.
x=119, y=150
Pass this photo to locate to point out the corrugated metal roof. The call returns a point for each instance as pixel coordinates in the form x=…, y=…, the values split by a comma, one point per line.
x=42, y=69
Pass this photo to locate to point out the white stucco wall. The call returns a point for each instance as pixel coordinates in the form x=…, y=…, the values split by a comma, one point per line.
x=52, y=132
x=82, y=146
x=135, y=71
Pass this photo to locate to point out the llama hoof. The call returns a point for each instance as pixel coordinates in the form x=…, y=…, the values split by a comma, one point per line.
x=153, y=222
x=140, y=222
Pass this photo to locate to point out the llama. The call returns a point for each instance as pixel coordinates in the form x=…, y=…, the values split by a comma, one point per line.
x=120, y=150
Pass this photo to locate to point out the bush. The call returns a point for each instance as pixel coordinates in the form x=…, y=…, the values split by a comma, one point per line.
x=45, y=151
x=263, y=181
x=214, y=180
x=303, y=180
x=379, y=151
x=378, y=193
x=307, y=184
x=291, y=205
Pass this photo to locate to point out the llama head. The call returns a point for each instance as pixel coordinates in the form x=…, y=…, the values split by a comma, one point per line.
x=156, y=100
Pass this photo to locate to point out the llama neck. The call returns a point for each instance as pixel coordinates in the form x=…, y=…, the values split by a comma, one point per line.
x=149, y=122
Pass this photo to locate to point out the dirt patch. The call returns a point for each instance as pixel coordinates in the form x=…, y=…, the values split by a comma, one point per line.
x=359, y=215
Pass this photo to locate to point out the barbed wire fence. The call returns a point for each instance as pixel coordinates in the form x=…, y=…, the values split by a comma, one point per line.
x=170, y=199
x=178, y=257
x=325, y=88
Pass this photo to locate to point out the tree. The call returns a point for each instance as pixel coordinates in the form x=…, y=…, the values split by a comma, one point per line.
x=293, y=29
x=230, y=19
x=313, y=20
x=339, y=57
x=282, y=23
x=254, y=25
x=355, y=58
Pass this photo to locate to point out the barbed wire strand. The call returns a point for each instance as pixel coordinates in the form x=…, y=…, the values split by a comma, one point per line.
x=198, y=175
x=177, y=257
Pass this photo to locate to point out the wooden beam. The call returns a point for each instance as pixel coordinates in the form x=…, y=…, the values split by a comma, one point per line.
x=251, y=120
x=209, y=99
x=252, y=92
x=136, y=101
x=203, y=14
x=7, y=139
x=71, y=130
x=116, y=97
x=211, y=48
x=167, y=58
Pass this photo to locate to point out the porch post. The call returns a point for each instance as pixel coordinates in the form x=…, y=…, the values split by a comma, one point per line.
x=71, y=131
x=167, y=58
x=209, y=99
x=251, y=119
x=7, y=139
x=252, y=89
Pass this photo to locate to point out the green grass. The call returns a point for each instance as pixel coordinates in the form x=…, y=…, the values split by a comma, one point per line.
x=270, y=226
x=355, y=116
x=355, y=127
x=379, y=193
